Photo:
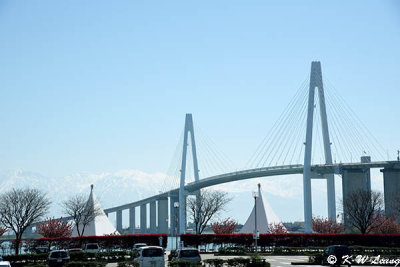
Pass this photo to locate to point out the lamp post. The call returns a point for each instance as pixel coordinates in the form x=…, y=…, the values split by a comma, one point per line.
x=176, y=206
x=255, y=195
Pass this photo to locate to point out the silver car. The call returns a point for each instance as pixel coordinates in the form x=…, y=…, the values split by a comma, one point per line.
x=188, y=254
x=151, y=256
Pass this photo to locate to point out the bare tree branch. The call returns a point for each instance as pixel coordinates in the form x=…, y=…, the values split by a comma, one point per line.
x=361, y=208
x=81, y=211
x=19, y=208
x=205, y=206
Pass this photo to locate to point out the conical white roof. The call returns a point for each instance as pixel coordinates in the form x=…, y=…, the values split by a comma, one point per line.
x=265, y=216
x=101, y=225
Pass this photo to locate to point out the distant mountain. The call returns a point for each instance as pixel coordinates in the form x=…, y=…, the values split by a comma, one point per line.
x=284, y=193
x=112, y=189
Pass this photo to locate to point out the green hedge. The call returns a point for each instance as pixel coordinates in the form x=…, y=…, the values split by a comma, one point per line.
x=183, y=264
x=105, y=242
x=294, y=239
x=26, y=257
x=238, y=262
x=316, y=259
x=128, y=264
x=233, y=251
x=85, y=264
x=307, y=251
x=79, y=256
x=214, y=262
x=36, y=265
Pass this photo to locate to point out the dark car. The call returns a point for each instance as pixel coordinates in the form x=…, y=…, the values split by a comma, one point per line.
x=58, y=258
x=333, y=255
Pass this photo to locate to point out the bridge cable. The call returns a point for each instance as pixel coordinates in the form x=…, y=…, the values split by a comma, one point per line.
x=278, y=138
x=259, y=154
x=275, y=139
x=365, y=132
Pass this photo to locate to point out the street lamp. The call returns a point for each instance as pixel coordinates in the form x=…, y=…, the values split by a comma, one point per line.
x=176, y=206
x=255, y=195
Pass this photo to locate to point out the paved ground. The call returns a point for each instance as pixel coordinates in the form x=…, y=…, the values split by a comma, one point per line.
x=276, y=261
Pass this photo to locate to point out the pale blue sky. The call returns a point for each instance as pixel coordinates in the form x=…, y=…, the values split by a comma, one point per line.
x=104, y=85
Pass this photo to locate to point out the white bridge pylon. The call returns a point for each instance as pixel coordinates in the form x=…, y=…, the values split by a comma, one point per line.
x=316, y=82
x=182, y=192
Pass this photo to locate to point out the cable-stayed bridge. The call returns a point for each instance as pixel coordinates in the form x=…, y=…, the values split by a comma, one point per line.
x=392, y=170
x=320, y=150
x=287, y=142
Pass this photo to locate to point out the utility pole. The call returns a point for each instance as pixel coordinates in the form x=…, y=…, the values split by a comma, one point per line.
x=176, y=206
x=255, y=195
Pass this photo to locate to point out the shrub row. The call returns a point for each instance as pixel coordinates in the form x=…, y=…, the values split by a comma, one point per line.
x=294, y=239
x=109, y=256
x=70, y=264
x=271, y=250
x=359, y=250
x=105, y=242
x=238, y=262
x=79, y=256
x=85, y=264
x=183, y=264
x=128, y=264
x=356, y=250
x=32, y=258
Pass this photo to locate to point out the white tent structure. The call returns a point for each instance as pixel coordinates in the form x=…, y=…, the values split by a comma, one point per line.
x=101, y=225
x=265, y=216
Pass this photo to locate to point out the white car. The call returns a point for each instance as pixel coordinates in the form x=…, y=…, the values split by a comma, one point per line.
x=5, y=264
x=91, y=247
x=151, y=256
x=136, y=246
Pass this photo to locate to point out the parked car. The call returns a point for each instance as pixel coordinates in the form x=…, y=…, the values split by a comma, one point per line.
x=75, y=250
x=5, y=263
x=91, y=247
x=150, y=256
x=138, y=245
x=40, y=250
x=58, y=258
x=191, y=255
x=336, y=250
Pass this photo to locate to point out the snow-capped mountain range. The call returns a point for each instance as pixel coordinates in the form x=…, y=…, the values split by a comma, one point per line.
x=112, y=189
x=284, y=193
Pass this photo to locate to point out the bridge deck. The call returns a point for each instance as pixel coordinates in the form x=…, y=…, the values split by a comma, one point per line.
x=260, y=172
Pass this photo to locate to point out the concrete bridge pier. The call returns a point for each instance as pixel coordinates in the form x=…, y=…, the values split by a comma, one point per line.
x=174, y=216
x=143, y=218
x=353, y=180
x=153, y=217
x=162, y=215
x=391, y=189
x=29, y=229
x=119, y=221
x=132, y=218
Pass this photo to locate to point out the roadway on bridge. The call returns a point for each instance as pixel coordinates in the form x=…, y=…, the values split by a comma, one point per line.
x=318, y=171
